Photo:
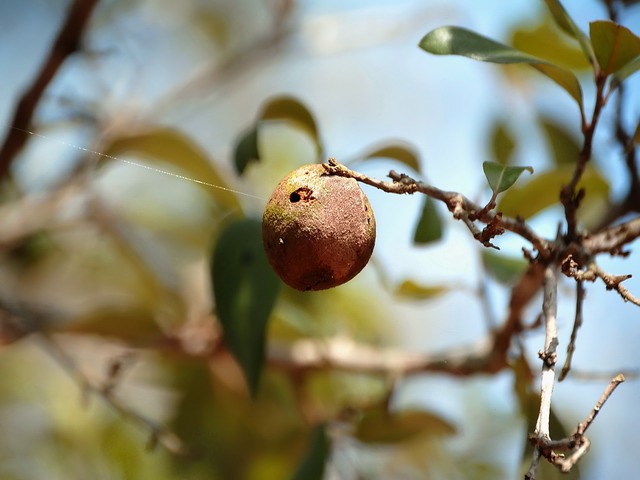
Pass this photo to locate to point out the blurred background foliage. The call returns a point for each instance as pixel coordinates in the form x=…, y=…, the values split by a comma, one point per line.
x=108, y=258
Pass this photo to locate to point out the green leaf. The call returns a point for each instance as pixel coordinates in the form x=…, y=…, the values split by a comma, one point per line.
x=502, y=143
x=289, y=109
x=501, y=177
x=429, y=228
x=460, y=41
x=543, y=190
x=504, y=268
x=563, y=143
x=566, y=23
x=546, y=41
x=615, y=45
x=312, y=466
x=402, y=153
x=414, y=291
x=378, y=426
x=625, y=72
x=245, y=290
x=246, y=150
x=171, y=146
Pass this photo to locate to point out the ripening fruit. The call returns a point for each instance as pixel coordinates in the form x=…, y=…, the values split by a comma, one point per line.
x=318, y=229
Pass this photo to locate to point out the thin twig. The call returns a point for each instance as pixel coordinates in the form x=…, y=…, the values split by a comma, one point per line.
x=66, y=43
x=569, y=198
x=577, y=323
x=158, y=434
x=582, y=428
x=612, y=282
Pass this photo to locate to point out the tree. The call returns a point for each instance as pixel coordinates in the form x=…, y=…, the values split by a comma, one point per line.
x=199, y=347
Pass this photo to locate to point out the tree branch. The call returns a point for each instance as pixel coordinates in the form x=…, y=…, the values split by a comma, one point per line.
x=67, y=42
x=612, y=239
x=613, y=282
x=461, y=207
x=548, y=357
x=577, y=323
x=569, y=198
x=158, y=434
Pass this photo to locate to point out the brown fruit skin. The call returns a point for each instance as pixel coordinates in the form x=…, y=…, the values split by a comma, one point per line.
x=318, y=230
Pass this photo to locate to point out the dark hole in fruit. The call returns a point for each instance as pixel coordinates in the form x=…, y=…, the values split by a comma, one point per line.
x=303, y=194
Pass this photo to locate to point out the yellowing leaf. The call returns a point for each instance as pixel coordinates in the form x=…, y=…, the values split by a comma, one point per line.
x=564, y=145
x=566, y=23
x=290, y=109
x=414, y=291
x=502, y=143
x=403, y=153
x=126, y=322
x=380, y=426
x=543, y=190
x=547, y=42
x=615, y=45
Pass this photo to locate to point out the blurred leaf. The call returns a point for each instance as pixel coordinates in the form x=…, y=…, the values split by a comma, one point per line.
x=312, y=466
x=429, y=228
x=245, y=290
x=625, y=72
x=563, y=143
x=547, y=42
x=502, y=143
x=504, y=268
x=501, y=177
x=460, y=41
x=212, y=24
x=566, y=23
x=377, y=425
x=173, y=147
x=126, y=322
x=615, y=45
x=414, y=291
x=290, y=109
x=402, y=153
x=246, y=150
x=543, y=190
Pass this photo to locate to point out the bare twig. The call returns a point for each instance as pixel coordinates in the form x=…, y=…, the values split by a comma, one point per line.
x=548, y=357
x=577, y=443
x=613, y=282
x=158, y=434
x=593, y=376
x=582, y=428
x=577, y=323
x=66, y=43
x=461, y=207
